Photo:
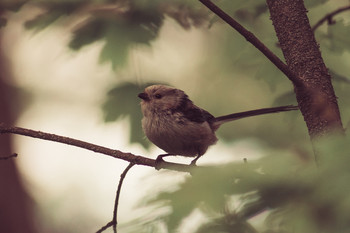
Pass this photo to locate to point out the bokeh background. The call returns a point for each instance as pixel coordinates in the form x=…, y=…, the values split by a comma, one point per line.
x=74, y=68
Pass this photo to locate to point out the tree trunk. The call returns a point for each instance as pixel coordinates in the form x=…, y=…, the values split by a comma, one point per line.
x=315, y=95
x=16, y=211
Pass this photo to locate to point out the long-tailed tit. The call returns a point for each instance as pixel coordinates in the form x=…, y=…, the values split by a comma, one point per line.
x=173, y=123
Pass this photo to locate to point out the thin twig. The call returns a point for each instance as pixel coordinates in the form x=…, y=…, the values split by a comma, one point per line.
x=139, y=160
x=108, y=225
x=115, y=212
x=329, y=17
x=8, y=157
x=250, y=37
x=114, y=221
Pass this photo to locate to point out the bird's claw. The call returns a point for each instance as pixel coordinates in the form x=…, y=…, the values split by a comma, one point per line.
x=193, y=163
x=159, y=161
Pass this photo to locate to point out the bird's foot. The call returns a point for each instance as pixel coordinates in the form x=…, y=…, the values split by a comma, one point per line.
x=159, y=161
x=193, y=163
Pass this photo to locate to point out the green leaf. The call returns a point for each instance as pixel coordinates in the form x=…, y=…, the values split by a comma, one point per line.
x=286, y=98
x=119, y=40
x=208, y=186
x=141, y=28
x=339, y=37
x=43, y=20
x=12, y=5
x=229, y=223
x=339, y=78
x=89, y=32
x=121, y=102
x=119, y=33
x=139, y=24
x=314, y=3
x=269, y=73
x=301, y=197
x=233, y=6
x=54, y=11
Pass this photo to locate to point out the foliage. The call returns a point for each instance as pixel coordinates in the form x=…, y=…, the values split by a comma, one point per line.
x=120, y=25
x=296, y=195
x=125, y=24
x=120, y=103
x=337, y=37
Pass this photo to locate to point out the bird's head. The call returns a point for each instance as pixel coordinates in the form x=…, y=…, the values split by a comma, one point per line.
x=161, y=98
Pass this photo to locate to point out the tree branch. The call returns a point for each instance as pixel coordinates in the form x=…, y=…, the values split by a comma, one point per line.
x=114, y=221
x=135, y=159
x=329, y=17
x=9, y=156
x=108, y=225
x=115, y=212
x=250, y=37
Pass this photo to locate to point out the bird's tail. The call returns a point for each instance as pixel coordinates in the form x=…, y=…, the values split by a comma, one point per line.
x=235, y=116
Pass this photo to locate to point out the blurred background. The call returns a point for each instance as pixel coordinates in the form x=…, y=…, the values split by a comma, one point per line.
x=74, y=68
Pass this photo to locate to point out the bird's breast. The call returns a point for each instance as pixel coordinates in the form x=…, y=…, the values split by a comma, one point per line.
x=177, y=135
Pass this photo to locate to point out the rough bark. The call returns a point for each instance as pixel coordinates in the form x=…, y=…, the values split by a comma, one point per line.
x=315, y=95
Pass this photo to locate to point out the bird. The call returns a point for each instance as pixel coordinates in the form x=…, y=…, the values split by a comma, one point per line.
x=175, y=124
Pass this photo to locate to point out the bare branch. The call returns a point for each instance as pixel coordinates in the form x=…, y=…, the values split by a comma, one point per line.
x=329, y=17
x=114, y=221
x=8, y=157
x=250, y=37
x=122, y=176
x=135, y=159
x=108, y=225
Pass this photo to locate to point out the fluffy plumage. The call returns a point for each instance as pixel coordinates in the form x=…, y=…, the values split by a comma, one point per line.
x=173, y=123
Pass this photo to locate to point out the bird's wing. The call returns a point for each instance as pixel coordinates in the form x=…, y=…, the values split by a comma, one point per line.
x=192, y=112
x=197, y=115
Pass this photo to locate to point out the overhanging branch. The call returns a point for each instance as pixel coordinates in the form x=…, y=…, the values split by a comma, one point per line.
x=250, y=37
x=329, y=17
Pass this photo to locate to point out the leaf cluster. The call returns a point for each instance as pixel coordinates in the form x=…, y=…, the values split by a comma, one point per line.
x=289, y=194
x=120, y=102
x=124, y=24
x=121, y=25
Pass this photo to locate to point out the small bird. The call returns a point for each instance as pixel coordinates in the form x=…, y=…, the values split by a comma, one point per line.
x=173, y=123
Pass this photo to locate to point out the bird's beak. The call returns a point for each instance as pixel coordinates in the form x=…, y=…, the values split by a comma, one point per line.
x=143, y=96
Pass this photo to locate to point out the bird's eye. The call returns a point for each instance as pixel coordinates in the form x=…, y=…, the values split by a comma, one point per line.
x=158, y=96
